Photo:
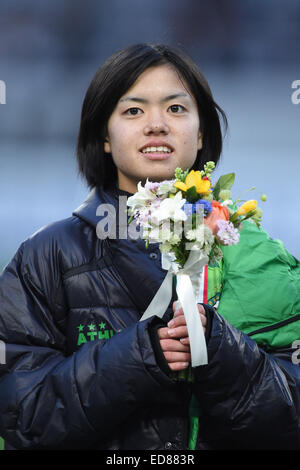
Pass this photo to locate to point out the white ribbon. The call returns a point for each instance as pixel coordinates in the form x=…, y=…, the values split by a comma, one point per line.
x=187, y=288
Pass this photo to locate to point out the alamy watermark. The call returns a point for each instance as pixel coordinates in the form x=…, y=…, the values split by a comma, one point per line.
x=2, y=352
x=114, y=224
x=296, y=353
x=295, y=97
x=2, y=92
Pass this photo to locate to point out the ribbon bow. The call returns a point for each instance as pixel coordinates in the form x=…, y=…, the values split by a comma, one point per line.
x=187, y=288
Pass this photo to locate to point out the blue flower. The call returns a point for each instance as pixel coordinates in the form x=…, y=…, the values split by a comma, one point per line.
x=197, y=207
x=206, y=204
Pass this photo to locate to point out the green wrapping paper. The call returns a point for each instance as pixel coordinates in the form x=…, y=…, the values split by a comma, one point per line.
x=260, y=288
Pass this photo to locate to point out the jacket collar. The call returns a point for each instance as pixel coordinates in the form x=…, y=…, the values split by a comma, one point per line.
x=139, y=268
x=87, y=211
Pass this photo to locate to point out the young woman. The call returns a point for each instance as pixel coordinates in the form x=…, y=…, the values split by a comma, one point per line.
x=80, y=369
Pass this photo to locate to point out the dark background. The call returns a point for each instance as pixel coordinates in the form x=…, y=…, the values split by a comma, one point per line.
x=50, y=49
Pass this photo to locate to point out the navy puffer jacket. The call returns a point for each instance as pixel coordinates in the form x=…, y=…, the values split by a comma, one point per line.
x=81, y=370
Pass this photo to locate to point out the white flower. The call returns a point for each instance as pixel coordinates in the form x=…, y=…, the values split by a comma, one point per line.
x=166, y=187
x=164, y=233
x=200, y=233
x=141, y=198
x=175, y=239
x=153, y=235
x=192, y=246
x=208, y=237
x=227, y=202
x=190, y=235
x=201, y=239
x=142, y=217
x=170, y=208
x=165, y=247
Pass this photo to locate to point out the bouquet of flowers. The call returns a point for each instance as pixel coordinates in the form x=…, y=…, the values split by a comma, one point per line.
x=190, y=218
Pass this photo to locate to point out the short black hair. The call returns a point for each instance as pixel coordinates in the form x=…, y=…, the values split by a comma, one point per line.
x=112, y=80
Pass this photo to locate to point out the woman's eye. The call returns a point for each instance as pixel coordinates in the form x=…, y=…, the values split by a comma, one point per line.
x=177, y=108
x=133, y=111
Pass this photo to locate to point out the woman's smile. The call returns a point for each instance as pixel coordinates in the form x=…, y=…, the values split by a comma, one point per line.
x=157, y=150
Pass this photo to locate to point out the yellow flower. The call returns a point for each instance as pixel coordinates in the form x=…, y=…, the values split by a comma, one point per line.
x=247, y=207
x=194, y=179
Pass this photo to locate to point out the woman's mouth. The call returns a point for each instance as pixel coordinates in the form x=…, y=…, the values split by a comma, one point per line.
x=161, y=152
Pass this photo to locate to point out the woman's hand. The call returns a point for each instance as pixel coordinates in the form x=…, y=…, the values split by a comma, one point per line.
x=174, y=339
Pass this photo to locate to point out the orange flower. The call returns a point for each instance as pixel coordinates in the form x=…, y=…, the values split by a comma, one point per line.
x=221, y=210
x=218, y=212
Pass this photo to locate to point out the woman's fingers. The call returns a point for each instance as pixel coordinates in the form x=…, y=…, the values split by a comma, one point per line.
x=177, y=320
x=176, y=310
x=173, y=345
x=176, y=354
x=174, y=339
x=185, y=341
x=163, y=333
x=177, y=366
x=167, y=342
x=172, y=357
x=177, y=326
x=178, y=332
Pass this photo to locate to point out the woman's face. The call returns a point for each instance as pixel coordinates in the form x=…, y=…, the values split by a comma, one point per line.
x=153, y=129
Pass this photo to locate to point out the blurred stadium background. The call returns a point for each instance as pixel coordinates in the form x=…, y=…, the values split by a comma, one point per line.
x=49, y=51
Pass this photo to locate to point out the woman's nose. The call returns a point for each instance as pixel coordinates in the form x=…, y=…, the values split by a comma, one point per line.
x=156, y=126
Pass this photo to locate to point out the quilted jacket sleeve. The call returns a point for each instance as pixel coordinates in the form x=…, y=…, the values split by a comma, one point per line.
x=250, y=399
x=51, y=400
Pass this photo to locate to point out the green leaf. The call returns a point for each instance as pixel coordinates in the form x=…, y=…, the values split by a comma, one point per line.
x=224, y=182
x=192, y=195
x=185, y=173
x=250, y=214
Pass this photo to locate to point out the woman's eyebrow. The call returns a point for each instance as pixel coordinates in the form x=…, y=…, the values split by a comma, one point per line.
x=163, y=100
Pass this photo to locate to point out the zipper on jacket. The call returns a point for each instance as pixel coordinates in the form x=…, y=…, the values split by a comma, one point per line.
x=275, y=326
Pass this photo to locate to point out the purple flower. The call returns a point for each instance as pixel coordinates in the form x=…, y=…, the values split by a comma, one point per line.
x=152, y=186
x=227, y=233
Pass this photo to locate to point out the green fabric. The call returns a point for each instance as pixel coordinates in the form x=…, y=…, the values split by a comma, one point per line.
x=194, y=412
x=194, y=425
x=214, y=284
x=260, y=287
x=1, y=444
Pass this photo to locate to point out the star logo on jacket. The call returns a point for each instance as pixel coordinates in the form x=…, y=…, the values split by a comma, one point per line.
x=94, y=331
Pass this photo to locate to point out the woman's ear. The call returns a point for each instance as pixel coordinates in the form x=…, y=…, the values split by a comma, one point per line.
x=107, y=148
x=200, y=141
